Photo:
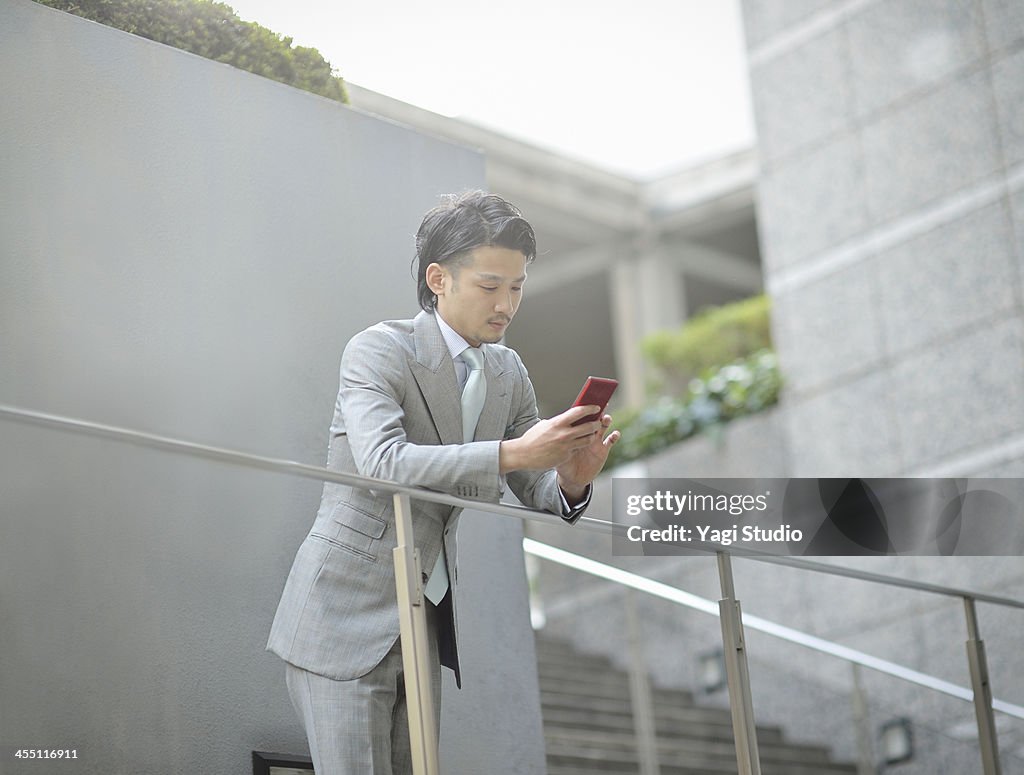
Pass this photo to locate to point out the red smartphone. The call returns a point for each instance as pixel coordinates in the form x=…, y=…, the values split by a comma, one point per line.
x=596, y=392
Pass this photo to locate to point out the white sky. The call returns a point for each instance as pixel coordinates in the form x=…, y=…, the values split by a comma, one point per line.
x=640, y=87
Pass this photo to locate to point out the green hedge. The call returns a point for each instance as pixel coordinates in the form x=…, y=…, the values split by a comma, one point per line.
x=745, y=386
x=718, y=366
x=709, y=339
x=213, y=30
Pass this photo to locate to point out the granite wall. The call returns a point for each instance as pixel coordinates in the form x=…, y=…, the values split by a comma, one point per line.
x=891, y=218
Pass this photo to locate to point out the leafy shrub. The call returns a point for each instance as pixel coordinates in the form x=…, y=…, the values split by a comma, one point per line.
x=213, y=30
x=709, y=339
x=745, y=386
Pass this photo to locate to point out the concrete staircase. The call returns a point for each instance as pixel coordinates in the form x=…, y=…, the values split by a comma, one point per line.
x=588, y=726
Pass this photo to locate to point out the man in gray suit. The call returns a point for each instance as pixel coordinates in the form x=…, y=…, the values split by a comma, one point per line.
x=434, y=402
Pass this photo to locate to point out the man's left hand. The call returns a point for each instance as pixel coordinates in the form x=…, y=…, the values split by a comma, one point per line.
x=585, y=463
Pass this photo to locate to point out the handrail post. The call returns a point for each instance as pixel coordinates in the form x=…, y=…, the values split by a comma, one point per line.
x=982, y=692
x=412, y=618
x=644, y=724
x=734, y=648
x=865, y=750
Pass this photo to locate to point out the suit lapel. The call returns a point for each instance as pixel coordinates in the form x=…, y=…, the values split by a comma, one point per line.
x=494, y=416
x=434, y=373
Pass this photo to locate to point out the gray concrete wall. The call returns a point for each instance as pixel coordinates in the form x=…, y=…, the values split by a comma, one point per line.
x=185, y=248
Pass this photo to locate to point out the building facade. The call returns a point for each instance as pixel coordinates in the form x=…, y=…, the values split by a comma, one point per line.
x=619, y=258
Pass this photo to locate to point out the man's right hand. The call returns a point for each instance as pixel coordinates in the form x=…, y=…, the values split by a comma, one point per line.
x=550, y=442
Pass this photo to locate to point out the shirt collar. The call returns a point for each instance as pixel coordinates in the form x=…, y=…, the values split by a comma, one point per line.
x=456, y=344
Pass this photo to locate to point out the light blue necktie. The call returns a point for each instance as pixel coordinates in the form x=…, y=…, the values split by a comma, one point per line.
x=473, y=395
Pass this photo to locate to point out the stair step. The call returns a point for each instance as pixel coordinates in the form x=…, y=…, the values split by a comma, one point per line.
x=610, y=688
x=683, y=746
x=560, y=652
x=690, y=768
x=606, y=760
x=588, y=726
x=610, y=681
x=676, y=712
x=696, y=726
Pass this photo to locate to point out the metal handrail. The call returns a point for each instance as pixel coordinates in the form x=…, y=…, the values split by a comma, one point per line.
x=307, y=471
x=689, y=600
x=410, y=591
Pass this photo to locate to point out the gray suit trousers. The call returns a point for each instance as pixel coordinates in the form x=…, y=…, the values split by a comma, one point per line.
x=361, y=726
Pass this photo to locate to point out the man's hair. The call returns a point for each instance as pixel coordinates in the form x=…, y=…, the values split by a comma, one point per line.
x=461, y=223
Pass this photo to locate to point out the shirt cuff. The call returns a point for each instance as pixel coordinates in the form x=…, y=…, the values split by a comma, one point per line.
x=571, y=514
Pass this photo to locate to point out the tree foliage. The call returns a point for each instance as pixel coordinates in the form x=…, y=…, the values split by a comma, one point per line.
x=717, y=396
x=717, y=367
x=213, y=30
x=710, y=339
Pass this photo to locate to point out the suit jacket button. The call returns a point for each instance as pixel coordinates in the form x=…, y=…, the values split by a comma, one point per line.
x=423, y=575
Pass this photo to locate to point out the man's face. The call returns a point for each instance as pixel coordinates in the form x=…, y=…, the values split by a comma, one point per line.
x=480, y=299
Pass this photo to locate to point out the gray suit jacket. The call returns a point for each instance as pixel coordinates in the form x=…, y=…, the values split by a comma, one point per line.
x=398, y=416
